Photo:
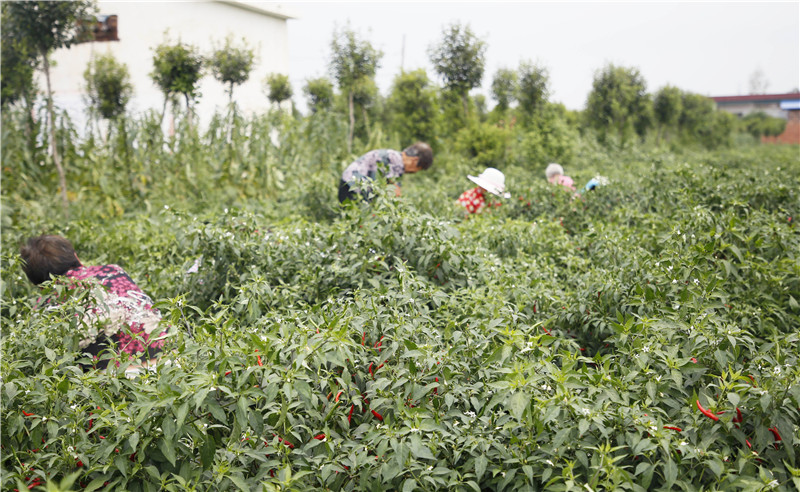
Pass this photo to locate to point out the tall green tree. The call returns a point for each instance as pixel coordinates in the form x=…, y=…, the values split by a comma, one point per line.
x=413, y=108
x=617, y=101
x=353, y=60
x=319, y=92
x=278, y=88
x=667, y=107
x=232, y=64
x=43, y=27
x=18, y=63
x=532, y=89
x=459, y=59
x=504, y=88
x=177, y=69
x=108, y=86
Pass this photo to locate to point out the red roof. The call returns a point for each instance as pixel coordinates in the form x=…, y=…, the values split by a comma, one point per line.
x=757, y=97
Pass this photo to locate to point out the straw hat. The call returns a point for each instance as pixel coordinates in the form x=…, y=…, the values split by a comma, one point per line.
x=492, y=181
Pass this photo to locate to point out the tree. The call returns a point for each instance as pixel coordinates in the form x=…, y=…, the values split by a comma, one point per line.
x=319, y=92
x=760, y=124
x=504, y=88
x=18, y=63
x=232, y=65
x=413, y=108
x=459, y=59
x=353, y=60
x=617, y=100
x=108, y=86
x=278, y=88
x=43, y=27
x=532, y=89
x=667, y=107
x=177, y=68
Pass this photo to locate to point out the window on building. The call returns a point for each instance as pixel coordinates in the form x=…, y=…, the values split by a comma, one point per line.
x=103, y=28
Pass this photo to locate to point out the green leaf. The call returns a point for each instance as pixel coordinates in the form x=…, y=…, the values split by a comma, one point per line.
x=517, y=403
x=480, y=466
x=207, y=451
x=168, y=449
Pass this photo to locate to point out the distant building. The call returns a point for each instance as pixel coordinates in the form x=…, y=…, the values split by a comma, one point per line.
x=786, y=106
x=131, y=30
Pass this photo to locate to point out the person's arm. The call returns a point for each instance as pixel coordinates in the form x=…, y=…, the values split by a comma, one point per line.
x=397, y=191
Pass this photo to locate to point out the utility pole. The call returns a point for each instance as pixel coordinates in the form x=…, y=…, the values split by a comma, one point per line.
x=402, y=53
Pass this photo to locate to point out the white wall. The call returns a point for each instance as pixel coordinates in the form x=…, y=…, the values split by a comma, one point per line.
x=141, y=27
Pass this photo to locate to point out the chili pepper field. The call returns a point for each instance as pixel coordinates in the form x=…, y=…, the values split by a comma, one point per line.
x=641, y=336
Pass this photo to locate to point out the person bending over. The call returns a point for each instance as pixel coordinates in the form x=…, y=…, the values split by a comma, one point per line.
x=122, y=314
x=384, y=163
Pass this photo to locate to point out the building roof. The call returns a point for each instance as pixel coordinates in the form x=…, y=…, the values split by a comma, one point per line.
x=756, y=98
x=270, y=9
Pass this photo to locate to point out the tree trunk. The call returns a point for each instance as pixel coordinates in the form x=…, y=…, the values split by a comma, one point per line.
x=62, y=178
x=366, y=121
x=352, y=121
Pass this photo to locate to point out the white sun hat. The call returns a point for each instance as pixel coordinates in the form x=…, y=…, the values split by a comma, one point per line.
x=492, y=181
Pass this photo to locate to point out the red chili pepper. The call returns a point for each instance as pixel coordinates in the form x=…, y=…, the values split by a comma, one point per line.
x=363, y=337
x=228, y=373
x=26, y=413
x=547, y=331
x=706, y=412
x=338, y=395
x=259, y=361
x=79, y=463
x=774, y=431
x=738, y=417
x=377, y=415
x=753, y=381
x=319, y=437
x=671, y=427
x=350, y=415
x=748, y=444
x=284, y=441
x=693, y=360
x=370, y=369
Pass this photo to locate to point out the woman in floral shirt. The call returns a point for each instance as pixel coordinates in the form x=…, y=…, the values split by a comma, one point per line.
x=491, y=180
x=122, y=314
x=389, y=164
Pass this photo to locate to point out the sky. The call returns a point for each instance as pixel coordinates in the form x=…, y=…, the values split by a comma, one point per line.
x=710, y=48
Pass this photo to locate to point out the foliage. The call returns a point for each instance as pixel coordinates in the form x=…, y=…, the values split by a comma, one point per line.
x=504, y=87
x=483, y=143
x=319, y=92
x=108, y=86
x=617, y=100
x=18, y=61
x=532, y=89
x=760, y=124
x=353, y=64
x=39, y=28
x=279, y=88
x=667, y=108
x=555, y=342
x=548, y=138
x=177, y=69
x=413, y=108
x=231, y=64
x=459, y=59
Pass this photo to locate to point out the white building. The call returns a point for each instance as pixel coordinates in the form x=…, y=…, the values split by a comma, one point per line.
x=141, y=26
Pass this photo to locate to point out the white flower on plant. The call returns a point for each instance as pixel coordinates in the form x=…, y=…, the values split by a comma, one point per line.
x=549, y=462
x=470, y=414
x=696, y=282
x=646, y=349
x=586, y=411
x=773, y=484
x=777, y=370
x=674, y=281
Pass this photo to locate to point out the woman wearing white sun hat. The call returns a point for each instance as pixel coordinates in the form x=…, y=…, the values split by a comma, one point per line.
x=490, y=180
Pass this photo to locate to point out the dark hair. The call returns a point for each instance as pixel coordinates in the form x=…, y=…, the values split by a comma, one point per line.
x=423, y=151
x=47, y=255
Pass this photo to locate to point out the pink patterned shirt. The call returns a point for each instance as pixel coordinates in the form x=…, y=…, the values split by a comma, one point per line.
x=124, y=313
